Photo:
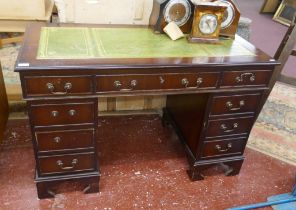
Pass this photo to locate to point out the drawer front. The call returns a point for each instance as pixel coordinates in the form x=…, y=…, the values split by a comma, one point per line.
x=64, y=140
x=119, y=83
x=224, y=147
x=58, y=86
x=62, y=114
x=235, y=104
x=245, y=78
x=66, y=163
x=223, y=127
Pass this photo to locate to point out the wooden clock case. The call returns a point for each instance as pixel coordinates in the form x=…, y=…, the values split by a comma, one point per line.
x=157, y=21
x=231, y=30
x=196, y=35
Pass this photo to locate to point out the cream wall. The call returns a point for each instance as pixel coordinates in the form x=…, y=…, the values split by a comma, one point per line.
x=24, y=9
x=105, y=11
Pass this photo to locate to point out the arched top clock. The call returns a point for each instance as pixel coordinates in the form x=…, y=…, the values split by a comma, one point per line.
x=230, y=20
x=165, y=11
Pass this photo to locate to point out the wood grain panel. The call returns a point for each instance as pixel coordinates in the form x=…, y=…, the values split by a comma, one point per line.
x=3, y=105
x=66, y=163
x=229, y=126
x=64, y=140
x=225, y=147
x=233, y=104
x=57, y=85
x=62, y=114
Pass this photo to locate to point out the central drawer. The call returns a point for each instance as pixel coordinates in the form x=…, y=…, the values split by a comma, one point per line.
x=64, y=140
x=62, y=113
x=142, y=82
x=230, y=126
x=66, y=163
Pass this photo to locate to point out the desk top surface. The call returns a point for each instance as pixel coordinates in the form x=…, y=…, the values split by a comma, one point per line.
x=48, y=46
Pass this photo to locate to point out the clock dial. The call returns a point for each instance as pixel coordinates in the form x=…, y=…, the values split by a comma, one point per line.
x=178, y=11
x=228, y=14
x=208, y=24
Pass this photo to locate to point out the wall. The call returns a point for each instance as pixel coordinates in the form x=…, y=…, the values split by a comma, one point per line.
x=105, y=11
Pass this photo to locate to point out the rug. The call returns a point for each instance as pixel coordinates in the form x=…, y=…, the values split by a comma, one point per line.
x=274, y=133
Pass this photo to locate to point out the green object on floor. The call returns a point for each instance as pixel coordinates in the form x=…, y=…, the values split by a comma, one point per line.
x=85, y=43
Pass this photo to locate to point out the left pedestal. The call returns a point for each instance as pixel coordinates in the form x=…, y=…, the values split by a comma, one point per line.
x=64, y=137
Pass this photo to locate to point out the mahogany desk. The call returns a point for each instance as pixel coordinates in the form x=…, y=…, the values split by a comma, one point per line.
x=214, y=94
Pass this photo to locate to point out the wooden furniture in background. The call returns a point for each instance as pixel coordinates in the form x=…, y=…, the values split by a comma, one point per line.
x=10, y=39
x=282, y=54
x=212, y=105
x=16, y=15
x=270, y=6
x=3, y=106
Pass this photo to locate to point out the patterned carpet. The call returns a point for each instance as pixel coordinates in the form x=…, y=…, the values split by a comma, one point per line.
x=274, y=133
x=275, y=130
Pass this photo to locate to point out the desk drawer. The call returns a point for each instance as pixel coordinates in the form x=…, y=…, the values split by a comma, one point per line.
x=245, y=78
x=224, y=147
x=66, y=163
x=58, y=85
x=235, y=104
x=64, y=140
x=62, y=114
x=223, y=127
x=121, y=83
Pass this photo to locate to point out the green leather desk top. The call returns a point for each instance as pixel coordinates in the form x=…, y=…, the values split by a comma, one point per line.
x=86, y=43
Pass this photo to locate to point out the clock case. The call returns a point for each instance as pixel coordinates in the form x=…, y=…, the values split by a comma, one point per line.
x=231, y=30
x=157, y=21
x=196, y=35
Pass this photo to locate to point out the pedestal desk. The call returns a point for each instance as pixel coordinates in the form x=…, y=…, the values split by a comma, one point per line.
x=214, y=94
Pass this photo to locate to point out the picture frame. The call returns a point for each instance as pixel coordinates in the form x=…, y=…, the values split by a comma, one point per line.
x=285, y=12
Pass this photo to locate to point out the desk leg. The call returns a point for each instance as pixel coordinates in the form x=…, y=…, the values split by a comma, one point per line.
x=47, y=188
x=230, y=168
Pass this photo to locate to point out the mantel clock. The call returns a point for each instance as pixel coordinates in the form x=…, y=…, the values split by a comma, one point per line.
x=165, y=11
x=207, y=22
x=230, y=20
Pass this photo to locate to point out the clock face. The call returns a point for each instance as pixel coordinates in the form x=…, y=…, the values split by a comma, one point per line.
x=208, y=24
x=228, y=14
x=178, y=11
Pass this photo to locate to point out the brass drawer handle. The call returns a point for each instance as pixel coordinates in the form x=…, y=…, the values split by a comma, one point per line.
x=54, y=113
x=241, y=78
x=118, y=85
x=61, y=164
x=226, y=130
x=199, y=81
x=57, y=139
x=219, y=148
x=67, y=87
x=229, y=105
x=185, y=83
x=72, y=112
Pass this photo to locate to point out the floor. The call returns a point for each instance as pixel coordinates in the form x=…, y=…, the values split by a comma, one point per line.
x=269, y=37
x=145, y=168
x=142, y=168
